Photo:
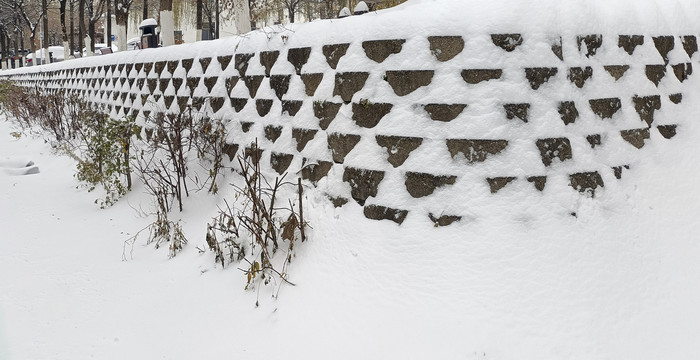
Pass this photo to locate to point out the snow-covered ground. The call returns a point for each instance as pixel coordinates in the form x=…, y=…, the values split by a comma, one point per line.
x=521, y=278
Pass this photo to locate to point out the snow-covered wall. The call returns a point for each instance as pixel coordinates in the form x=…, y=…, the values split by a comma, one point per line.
x=403, y=112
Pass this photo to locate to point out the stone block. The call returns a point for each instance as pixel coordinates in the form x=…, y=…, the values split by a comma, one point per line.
x=263, y=106
x=187, y=64
x=334, y=52
x=316, y=171
x=325, y=111
x=246, y=125
x=444, y=112
x=538, y=181
x=676, y=98
x=507, y=42
x=616, y=71
x=539, y=75
x=586, y=182
x=655, y=73
x=348, y=83
x=667, y=131
x=498, y=183
x=554, y=148
x=398, y=147
x=594, y=140
x=379, y=50
x=630, y=42
x=230, y=150
x=280, y=84
x=690, y=44
x=363, y=183
x=159, y=67
x=475, y=76
x=238, y=103
x=253, y=84
x=338, y=201
x=605, y=108
x=204, y=62
x=682, y=71
x=635, y=137
x=424, y=184
x=224, y=61
x=298, y=57
x=311, y=82
x=645, y=107
x=475, y=150
x=579, y=75
x=568, y=112
x=268, y=60
x=209, y=82
x=445, y=48
x=272, y=132
x=519, y=111
x=367, y=114
x=377, y=212
x=192, y=83
x=341, y=144
x=231, y=83
x=241, y=62
x=404, y=82
x=557, y=49
x=664, y=44
x=291, y=107
x=303, y=136
x=592, y=42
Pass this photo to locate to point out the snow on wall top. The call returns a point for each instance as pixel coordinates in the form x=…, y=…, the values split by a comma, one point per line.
x=434, y=107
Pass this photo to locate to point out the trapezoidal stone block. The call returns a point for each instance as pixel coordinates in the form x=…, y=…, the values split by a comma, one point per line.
x=667, y=131
x=334, y=52
x=192, y=83
x=172, y=66
x=682, y=71
x=519, y=111
x=655, y=73
x=617, y=170
x=159, y=67
x=538, y=181
x=348, y=83
x=404, y=82
x=690, y=44
x=568, y=112
x=338, y=201
x=363, y=183
x=230, y=150
x=377, y=212
x=311, y=82
x=303, y=136
x=539, y=75
x=216, y=103
x=280, y=161
x=272, y=132
x=341, y=144
x=280, y=84
x=498, y=183
x=231, y=83
x=664, y=44
x=630, y=42
x=554, y=148
x=298, y=57
x=187, y=64
x=325, y=111
x=635, y=137
x=586, y=182
x=424, y=184
x=291, y=107
x=253, y=84
x=238, y=103
x=507, y=42
x=645, y=107
x=163, y=84
x=616, y=71
x=177, y=83
x=367, y=114
x=475, y=76
x=475, y=150
x=241, y=62
x=605, y=108
x=224, y=61
x=579, y=75
x=314, y=172
x=204, y=62
x=443, y=220
x=263, y=106
x=676, y=98
x=379, y=50
x=209, y=82
x=592, y=43
x=444, y=112
x=398, y=147
x=445, y=48
x=558, y=49
x=268, y=59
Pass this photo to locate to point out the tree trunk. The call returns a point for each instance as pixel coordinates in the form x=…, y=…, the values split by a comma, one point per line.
x=32, y=40
x=21, y=44
x=81, y=25
x=167, y=23
x=72, y=30
x=3, y=50
x=242, y=17
x=145, y=9
x=121, y=13
x=108, y=31
x=199, y=20
x=45, y=10
x=290, y=8
x=217, y=17
x=64, y=31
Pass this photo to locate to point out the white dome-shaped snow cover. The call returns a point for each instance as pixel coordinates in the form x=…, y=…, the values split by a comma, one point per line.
x=361, y=8
x=344, y=12
x=432, y=109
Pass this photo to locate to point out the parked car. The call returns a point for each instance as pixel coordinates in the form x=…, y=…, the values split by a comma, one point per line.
x=133, y=43
x=101, y=49
x=56, y=54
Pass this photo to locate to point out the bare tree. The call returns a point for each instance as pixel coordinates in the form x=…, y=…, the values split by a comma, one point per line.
x=167, y=23
x=121, y=13
x=95, y=9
